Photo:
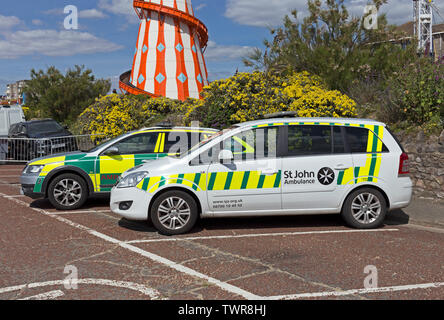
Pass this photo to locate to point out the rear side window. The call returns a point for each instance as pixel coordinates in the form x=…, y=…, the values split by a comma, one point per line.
x=137, y=144
x=313, y=140
x=309, y=140
x=338, y=140
x=358, y=139
x=178, y=141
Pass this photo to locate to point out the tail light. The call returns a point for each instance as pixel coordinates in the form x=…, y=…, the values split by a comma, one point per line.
x=403, y=164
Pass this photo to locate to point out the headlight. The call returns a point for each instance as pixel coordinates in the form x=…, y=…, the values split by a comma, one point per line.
x=34, y=169
x=132, y=179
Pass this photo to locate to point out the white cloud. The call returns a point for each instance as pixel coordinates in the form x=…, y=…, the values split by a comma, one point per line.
x=262, y=13
x=37, y=22
x=85, y=14
x=9, y=22
x=200, y=7
x=52, y=43
x=217, y=52
x=268, y=13
x=120, y=7
x=91, y=14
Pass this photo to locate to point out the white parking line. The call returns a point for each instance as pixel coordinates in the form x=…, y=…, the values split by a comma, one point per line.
x=223, y=285
x=152, y=293
x=357, y=291
x=261, y=235
x=46, y=296
x=15, y=196
x=173, y=265
x=57, y=213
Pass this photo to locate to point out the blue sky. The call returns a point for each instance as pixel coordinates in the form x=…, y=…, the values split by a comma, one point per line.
x=32, y=33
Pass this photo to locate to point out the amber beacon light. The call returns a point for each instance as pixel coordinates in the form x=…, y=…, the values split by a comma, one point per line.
x=168, y=59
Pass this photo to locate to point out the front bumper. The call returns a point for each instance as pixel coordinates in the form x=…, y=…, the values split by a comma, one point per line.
x=28, y=182
x=139, y=208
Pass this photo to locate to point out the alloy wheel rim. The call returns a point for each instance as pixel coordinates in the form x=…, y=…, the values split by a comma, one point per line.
x=174, y=213
x=366, y=208
x=67, y=192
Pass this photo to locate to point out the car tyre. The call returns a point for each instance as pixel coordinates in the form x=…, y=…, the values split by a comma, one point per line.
x=364, y=209
x=68, y=192
x=174, y=212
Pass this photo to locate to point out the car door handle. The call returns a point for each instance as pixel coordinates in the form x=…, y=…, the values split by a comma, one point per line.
x=269, y=172
x=341, y=167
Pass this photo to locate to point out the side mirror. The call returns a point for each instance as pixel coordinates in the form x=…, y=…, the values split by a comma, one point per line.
x=226, y=155
x=112, y=151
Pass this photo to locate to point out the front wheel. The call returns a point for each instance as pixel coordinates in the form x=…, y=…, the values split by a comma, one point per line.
x=365, y=209
x=174, y=212
x=67, y=192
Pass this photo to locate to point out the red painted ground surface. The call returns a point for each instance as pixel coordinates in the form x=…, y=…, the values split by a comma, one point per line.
x=280, y=257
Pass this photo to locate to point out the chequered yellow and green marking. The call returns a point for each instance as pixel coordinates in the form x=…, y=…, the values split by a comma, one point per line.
x=80, y=160
x=370, y=172
x=215, y=181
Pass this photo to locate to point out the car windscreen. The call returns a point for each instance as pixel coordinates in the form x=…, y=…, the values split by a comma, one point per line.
x=44, y=127
x=105, y=144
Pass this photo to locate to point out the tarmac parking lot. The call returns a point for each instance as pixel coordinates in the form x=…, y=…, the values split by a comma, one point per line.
x=302, y=257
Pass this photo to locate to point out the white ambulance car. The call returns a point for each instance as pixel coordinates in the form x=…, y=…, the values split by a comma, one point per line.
x=281, y=166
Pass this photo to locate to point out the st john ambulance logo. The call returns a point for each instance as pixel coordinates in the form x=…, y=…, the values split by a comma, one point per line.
x=326, y=176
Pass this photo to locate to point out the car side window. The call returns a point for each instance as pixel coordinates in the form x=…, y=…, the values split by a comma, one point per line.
x=138, y=144
x=256, y=143
x=338, y=140
x=357, y=139
x=179, y=141
x=309, y=140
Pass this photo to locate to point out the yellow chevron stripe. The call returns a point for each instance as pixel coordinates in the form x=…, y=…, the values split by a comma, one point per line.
x=253, y=180
x=221, y=178
x=269, y=182
x=236, y=182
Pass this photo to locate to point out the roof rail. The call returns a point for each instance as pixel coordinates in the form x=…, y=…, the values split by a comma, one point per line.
x=281, y=114
x=165, y=124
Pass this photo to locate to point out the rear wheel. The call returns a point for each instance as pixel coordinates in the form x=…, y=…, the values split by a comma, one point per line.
x=174, y=212
x=68, y=192
x=365, y=209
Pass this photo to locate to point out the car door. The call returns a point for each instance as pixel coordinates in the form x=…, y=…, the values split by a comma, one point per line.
x=251, y=182
x=368, y=152
x=316, y=156
x=132, y=151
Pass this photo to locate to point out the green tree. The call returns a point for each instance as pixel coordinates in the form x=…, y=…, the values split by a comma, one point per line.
x=63, y=96
x=332, y=44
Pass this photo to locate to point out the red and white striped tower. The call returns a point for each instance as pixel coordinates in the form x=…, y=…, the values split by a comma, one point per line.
x=168, y=60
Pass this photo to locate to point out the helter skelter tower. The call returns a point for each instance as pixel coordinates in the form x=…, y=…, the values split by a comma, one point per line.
x=168, y=59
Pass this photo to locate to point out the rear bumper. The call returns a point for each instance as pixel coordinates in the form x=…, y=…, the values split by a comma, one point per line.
x=402, y=195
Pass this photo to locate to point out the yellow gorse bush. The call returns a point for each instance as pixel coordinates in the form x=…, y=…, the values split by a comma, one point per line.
x=115, y=114
x=242, y=97
x=250, y=96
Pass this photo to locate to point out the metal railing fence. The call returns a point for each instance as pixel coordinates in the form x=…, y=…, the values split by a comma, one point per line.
x=25, y=149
